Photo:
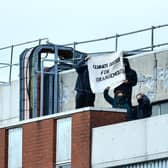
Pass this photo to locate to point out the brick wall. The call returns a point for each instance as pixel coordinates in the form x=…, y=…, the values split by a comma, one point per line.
x=3, y=148
x=81, y=140
x=39, y=144
x=82, y=124
x=39, y=139
x=101, y=118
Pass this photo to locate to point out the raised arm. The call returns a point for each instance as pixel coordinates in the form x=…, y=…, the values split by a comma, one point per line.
x=108, y=98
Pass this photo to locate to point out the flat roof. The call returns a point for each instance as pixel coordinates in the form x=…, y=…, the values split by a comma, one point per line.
x=63, y=115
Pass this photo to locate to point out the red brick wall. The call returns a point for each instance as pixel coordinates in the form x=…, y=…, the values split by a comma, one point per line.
x=39, y=139
x=3, y=148
x=81, y=140
x=102, y=118
x=39, y=144
x=82, y=124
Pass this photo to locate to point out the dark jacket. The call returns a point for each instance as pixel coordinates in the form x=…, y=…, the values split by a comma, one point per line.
x=82, y=83
x=144, y=108
x=118, y=103
x=131, y=76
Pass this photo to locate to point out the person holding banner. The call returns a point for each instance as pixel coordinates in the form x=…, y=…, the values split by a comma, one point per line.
x=84, y=96
x=131, y=80
x=119, y=101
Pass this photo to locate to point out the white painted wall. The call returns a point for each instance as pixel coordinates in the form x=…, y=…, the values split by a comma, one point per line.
x=130, y=142
x=9, y=103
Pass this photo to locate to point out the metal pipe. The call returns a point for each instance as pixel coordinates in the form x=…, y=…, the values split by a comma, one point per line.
x=152, y=37
x=116, y=42
x=74, y=47
x=89, y=41
x=20, y=44
x=119, y=35
x=5, y=66
x=11, y=60
x=42, y=88
x=49, y=73
x=94, y=40
x=39, y=42
x=56, y=82
x=9, y=64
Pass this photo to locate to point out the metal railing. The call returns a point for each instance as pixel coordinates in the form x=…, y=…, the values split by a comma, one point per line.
x=12, y=47
x=116, y=37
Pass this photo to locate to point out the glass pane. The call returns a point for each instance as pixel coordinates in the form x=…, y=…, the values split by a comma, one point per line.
x=15, y=148
x=63, y=140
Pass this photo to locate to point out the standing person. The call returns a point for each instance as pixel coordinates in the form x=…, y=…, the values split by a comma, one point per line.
x=119, y=101
x=144, y=108
x=84, y=96
x=131, y=80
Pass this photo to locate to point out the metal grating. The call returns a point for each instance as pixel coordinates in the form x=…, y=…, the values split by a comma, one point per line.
x=163, y=163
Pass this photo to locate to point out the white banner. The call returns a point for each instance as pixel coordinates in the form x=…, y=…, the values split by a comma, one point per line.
x=106, y=70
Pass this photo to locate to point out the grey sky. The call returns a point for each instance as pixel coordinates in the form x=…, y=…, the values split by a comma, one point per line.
x=67, y=21
x=74, y=20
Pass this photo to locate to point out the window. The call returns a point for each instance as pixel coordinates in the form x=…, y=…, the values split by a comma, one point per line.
x=15, y=148
x=64, y=166
x=63, y=143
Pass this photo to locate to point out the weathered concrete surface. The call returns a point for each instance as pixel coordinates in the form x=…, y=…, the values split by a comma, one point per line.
x=152, y=71
x=9, y=103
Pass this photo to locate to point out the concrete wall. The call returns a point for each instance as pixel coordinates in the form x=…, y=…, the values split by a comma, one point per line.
x=152, y=71
x=130, y=142
x=9, y=103
x=40, y=138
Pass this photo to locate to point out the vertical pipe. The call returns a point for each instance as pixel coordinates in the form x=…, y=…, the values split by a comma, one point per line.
x=39, y=41
x=116, y=42
x=74, y=48
x=56, y=104
x=42, y=88
x=11, y=61
x=51, y=93
x=152, y=37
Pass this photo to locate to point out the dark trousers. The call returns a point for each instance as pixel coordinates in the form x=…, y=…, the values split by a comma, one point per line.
x=84, y=99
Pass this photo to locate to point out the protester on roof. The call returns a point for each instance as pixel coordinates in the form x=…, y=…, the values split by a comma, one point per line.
x=84, y=96
x=119, y=101
x=131, y=80
x=144, y=108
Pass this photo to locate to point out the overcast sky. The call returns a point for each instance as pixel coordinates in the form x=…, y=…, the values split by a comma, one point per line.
x=74, y=20
x=67, y=21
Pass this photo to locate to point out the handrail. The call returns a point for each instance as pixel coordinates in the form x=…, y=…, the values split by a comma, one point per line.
x=24, y=43
x=118, y=35
x=74, y=44
x=11, y=47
